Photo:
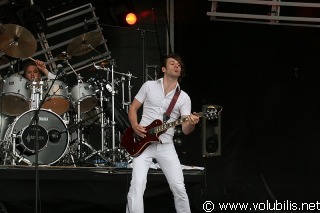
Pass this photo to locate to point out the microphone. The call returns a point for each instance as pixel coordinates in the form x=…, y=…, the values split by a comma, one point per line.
x=60, y=71
x=96, y=66
x=85, y=24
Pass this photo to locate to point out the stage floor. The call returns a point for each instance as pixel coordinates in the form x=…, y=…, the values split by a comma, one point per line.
x=88, y=189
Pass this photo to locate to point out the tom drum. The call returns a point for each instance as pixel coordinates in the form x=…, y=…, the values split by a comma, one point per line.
x=57, y=98
x=84, y=94
x=15, y=98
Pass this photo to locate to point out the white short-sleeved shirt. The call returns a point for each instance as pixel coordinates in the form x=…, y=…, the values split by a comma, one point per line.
x=51, y=76
x=155, y=104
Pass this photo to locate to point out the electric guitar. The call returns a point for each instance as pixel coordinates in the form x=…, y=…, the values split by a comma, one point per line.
x=135, y=145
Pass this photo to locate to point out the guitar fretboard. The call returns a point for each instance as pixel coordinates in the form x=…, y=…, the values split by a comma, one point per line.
x=166, y=126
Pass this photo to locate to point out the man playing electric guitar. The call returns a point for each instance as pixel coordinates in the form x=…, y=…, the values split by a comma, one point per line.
x=156, y=96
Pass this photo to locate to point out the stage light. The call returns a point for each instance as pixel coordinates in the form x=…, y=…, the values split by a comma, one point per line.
x=122, y=12
x=131, y=18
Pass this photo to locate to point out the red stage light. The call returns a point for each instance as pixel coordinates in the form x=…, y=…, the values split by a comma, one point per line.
x=131, y=18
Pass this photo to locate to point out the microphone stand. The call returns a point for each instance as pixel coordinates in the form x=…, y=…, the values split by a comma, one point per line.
x=35, y=121
x=113, y=123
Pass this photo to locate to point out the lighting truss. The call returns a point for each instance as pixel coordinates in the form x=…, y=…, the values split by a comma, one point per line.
x=275, y=12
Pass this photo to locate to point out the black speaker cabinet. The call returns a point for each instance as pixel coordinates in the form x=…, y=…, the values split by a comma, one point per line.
x=211, y=134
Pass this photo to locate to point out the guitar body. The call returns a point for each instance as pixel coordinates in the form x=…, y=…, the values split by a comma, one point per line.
x=134, y=144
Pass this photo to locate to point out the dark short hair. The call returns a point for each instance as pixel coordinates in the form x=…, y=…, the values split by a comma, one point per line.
x=177, y=57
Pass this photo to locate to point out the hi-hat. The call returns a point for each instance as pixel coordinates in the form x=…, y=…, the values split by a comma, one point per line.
x=84, y=43
x=17, y=41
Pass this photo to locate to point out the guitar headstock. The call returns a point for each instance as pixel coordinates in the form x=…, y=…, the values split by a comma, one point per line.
x=212, y=112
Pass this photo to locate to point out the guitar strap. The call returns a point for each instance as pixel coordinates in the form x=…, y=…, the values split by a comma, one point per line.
x=166, y=116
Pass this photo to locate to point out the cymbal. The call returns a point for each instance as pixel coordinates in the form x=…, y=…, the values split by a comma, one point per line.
x=102, y=63
x=17, y=41
x=84, y=43
x=3, y=60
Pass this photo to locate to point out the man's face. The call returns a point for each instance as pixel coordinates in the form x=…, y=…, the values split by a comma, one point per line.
x=32, y=73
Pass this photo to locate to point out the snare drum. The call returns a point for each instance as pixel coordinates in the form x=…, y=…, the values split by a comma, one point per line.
x=84, y=94
x=15, y=95
x=57, y=98
x=53, y=139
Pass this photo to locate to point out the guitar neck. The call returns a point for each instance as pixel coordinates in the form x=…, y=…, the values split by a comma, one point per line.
x=166, y=126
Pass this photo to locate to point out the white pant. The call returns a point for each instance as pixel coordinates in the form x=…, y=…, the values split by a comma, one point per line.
x=168, y=160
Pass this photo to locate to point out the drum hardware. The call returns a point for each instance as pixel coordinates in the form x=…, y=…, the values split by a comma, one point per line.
x=126, y=105
x=102, y=100
x=79, y=150
x=36, y=93
x=17, y=41
x=102, y=123
x=5, y=150
x=9, y=155
x=80, y=123
x=118, y=116
x=64, y=56
x=83, y=103
x=112, y=102
x=95, y=152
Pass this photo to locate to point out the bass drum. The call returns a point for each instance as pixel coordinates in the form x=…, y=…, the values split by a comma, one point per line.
x=53, y=137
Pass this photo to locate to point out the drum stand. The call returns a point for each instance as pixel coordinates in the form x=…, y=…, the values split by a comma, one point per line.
x=78, y=116
x=113, y=123
x=125, y=105
x=81, y=140
x=107, y=150
x=114, y=152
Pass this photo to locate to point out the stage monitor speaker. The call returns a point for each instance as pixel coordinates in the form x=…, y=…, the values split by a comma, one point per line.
x=211, y=135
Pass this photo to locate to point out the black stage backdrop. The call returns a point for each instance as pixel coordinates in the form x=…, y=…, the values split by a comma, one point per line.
x=267, y=79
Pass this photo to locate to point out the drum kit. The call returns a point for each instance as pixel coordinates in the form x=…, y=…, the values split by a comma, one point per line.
x=47, y=122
